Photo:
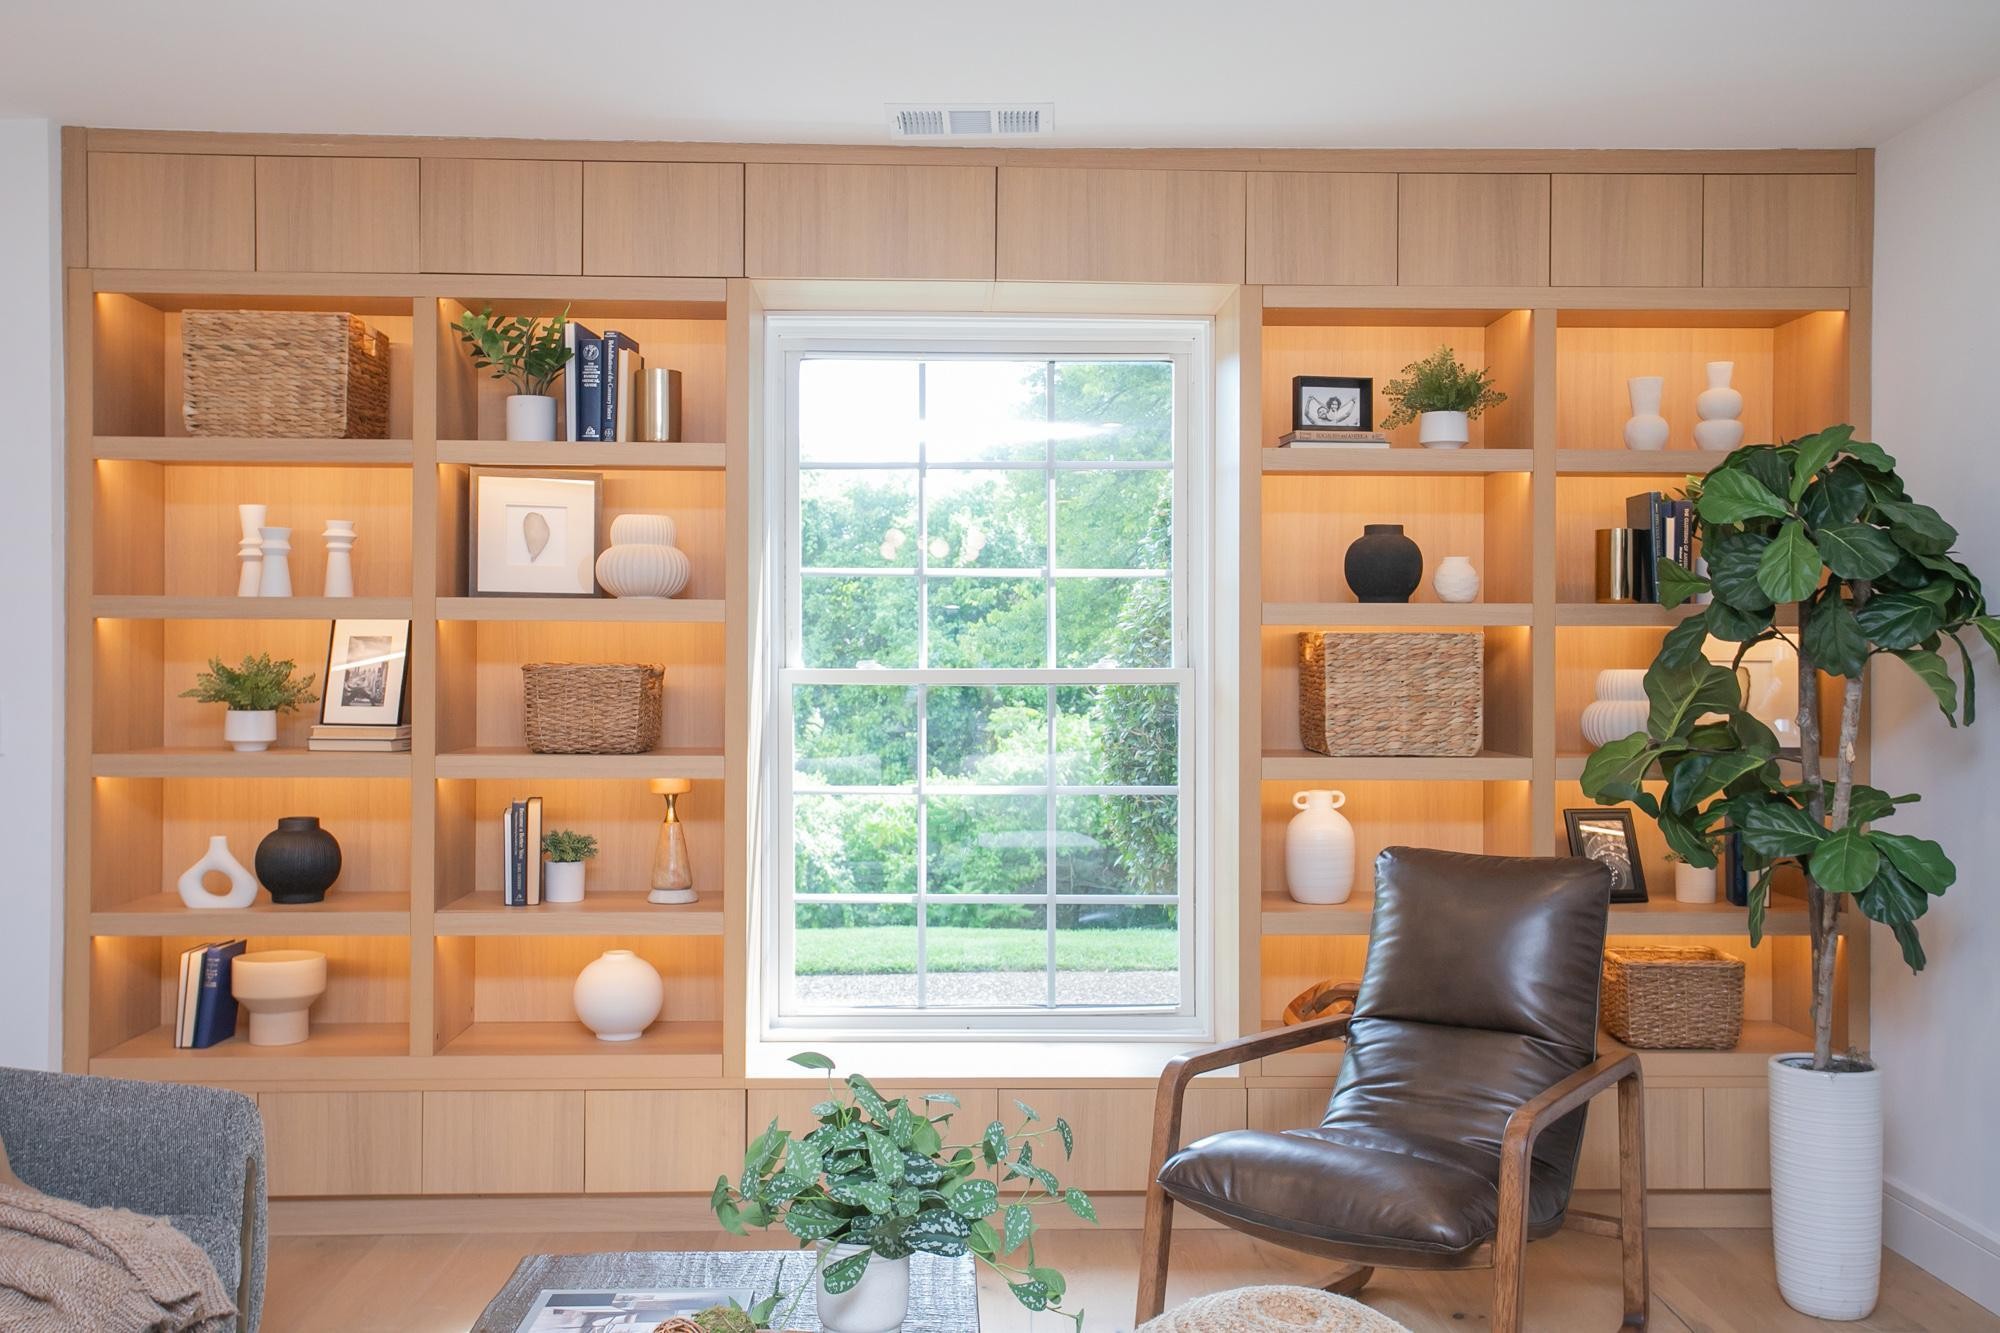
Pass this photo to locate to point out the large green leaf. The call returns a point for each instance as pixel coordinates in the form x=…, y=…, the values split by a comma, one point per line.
x=1613, y=772
x=1684, y=840
x=1732, y=569
x=1676, y=583
x=1682, y=645
x=1833, y=638
x=1030, y=1293
x=1845, y=861
x=1917, y=528
x=1932, y=671
x=1989, y=630
x=1871, y=455
x=1857, y=550
x=939, y=1231
x=842, y=1274
x=974, y=1197
x=1896, y=620
x=1020, y=1224
x=1815, y=452
x=1680, y=695
x=1867, y=804
x=811, y=1060
x=1733, y=496
x=1734, y=625
x=862, y=1192
x=1897, y=903
x=1080, y=1204
x=1777, y=828
x=1920, y=860
x=1837, y=497
x=1770, y=464
x=884, y=1157
x=1699, y=776
x=1790, y=567
x=810, y=1220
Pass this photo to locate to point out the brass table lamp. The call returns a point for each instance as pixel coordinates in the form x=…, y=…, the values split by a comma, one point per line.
x=673, y=875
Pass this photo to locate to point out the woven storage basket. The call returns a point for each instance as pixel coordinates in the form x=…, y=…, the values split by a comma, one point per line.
x=591, y=707
x=1670, y=996
x=279, y=374
x=1391, y=694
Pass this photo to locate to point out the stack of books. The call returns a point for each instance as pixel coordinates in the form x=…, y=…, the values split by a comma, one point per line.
x=601, y=387
x=521, y=853
x=1333, y=439
x=359, y=739
x=205, y=1007
x=1666, y=532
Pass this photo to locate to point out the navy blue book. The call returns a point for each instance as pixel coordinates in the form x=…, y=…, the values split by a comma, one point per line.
x=1736, y=879
x=586, y=382
x=620, y=360
x=215, y=1012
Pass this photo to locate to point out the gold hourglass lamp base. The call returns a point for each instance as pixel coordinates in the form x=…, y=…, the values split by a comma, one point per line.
x=673, y=876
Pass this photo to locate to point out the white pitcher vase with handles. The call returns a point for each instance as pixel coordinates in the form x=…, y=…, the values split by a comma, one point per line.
x=1319, y=849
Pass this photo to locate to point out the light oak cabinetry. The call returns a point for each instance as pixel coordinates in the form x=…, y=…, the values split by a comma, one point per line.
x=1477, y=229
x=645, y=1140
x=665, y=219
x=337, y=214
x=1080, y=224
x=172, y=210
x=503, y=1142
x=914, y=222
x=501, y=215
x=1625, y=231
x=327, y=1143
x=1308, y=227
x=1778, y=231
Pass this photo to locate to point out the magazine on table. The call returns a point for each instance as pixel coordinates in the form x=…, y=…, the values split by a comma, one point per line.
x=568, y=1309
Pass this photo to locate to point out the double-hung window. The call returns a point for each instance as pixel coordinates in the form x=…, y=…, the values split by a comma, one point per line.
x=983, y=803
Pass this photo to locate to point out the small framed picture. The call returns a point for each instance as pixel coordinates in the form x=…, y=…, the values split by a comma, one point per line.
x=1333, y=402
x=367, y=682
x=534, y=534
x=1609, y=837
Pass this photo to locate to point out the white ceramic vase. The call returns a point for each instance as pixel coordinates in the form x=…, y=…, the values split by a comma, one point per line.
x=1621, y=706
x=642, y=560
x=250, y=550
x=1647, y=429
x=618, y=995
x=1693, y=884
x=278, y=987
x=274, y=579
x=339, y=537
x=250, y=732
x=1718, y=406
x=878, y=1303
x=1826, y=1187
x=531, y=416
x=218, y=860
x=1443, y=430
x=1319, y=849
x=562, y=881
x=1456, y=580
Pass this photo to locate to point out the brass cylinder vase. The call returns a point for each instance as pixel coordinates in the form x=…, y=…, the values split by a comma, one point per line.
x=1617, y=557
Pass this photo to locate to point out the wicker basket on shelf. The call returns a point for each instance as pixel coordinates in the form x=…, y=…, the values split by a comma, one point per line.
x=1673, y=997
x=281, y=374
x=1391, y=694
x=591, y=707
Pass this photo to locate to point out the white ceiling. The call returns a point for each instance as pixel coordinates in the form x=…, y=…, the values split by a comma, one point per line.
x=1321, y=73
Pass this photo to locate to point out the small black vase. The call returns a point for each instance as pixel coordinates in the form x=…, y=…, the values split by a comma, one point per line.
x=1383, y=565
x=298, y=861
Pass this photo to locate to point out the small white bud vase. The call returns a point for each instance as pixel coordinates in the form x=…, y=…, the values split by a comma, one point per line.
x=1620, y=709
x=1443, y=430
x=275, y=579
x=618, y=995
x=1693, y=884
x=1647, y=429
x=250, y=550
x=250, y=732
x=339, y=537
x=218, y=860
x=531, y=417
x=1718, y=406
x=642, y=560
x=1319, y=849
x=562, y=881
x=1456, y=580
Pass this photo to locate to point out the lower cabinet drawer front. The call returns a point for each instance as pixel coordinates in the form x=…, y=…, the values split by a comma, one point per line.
x=1736, y=1138
x=640, y=1141
x=343, y=1143
x=1673, y=1141
x=1114, y=1129
x=503, y=1142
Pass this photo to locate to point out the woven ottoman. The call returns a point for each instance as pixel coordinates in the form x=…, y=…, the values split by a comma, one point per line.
x=1272, y=1310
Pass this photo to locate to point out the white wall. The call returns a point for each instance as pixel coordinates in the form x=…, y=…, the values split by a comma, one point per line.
x=1937, y=275
x=31, y=530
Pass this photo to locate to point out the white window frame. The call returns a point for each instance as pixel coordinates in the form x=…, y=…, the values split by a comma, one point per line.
x=1188, y=344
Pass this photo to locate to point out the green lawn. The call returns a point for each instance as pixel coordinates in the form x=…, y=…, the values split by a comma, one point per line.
x=892, y=950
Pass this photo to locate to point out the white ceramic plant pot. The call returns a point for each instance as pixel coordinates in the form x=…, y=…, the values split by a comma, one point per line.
x=250, y=732
x=1319, y=849
x=531, y=416
x=278, y=987
x=1443, y=430
x=642, y=560
x=878, y=1303
x=618, y=995
x=1621, y=706
x=1647, y=429
x=562, y=881
x=1693, y=884
x=1718, y=406
x=1826, y=1187
x=1456, y=580
x=218, y=860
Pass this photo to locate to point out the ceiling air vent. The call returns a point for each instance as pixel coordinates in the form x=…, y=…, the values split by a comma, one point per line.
x=964, y=120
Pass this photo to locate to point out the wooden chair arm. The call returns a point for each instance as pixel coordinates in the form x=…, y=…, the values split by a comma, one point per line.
x=1539, y=1112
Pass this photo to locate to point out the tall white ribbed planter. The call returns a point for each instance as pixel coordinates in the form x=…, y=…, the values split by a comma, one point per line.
x=1826, y=1187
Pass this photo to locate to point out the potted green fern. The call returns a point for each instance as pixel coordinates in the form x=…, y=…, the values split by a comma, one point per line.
x=1442, y=397
x=563, y=852
x=526, y=352
x=255, y=692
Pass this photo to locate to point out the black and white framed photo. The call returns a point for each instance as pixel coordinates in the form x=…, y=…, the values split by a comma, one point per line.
x=367, y=682
x=534, y=534
x=1333, y=402
x=1608, y=836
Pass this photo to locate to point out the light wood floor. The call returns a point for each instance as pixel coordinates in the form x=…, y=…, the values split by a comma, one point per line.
x=1702, y=1281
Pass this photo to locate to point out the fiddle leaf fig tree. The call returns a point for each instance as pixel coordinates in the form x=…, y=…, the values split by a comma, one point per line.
x=1824, y=525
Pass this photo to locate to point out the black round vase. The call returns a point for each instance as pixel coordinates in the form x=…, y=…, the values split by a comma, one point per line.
x=1383, y=565
x=298, y=861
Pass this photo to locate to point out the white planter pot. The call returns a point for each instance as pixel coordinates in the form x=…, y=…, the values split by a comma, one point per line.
x=1718, y=406
x=562, y=881
x=1693, y=884
x=531, y=416
x=1443, y=430
x=1319, y=849
x=1456, y=580
x=250, y=732
x=1647, y=429
x=1621, y=706
x=618, y=995
x=878, y=1303
x=1826, y=1187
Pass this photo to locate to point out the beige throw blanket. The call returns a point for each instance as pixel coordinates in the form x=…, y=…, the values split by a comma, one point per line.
x=66, y=1268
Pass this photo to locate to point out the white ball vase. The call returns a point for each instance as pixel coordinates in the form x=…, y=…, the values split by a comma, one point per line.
x=278, y=987
x=1456, y=580
x=1826, y=1186
x=642, y=560
x=1718, y=406
x=1647, y=429
x=1621, y=706
x=1319, y=849
x=618, y=995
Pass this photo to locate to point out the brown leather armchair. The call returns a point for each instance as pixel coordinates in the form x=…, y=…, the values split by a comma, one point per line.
x=1452, y=1136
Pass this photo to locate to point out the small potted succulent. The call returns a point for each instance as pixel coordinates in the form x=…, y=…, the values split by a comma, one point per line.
x=526, y=352
x=873, y=1182
x=255, y=692
x=565, y=851
x=1442, y=397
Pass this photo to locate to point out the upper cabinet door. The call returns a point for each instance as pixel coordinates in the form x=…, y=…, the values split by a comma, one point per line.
x=1778, y=231
x=1313, y=227
x=1625, y=231
x=868, y=222
x=663, y=219
x=337, y=214
x=501, y=215
x=1473, y=230
x=1074, y=224
x=172, y=210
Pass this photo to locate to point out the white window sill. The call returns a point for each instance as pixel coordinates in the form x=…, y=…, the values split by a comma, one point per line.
x=944, y=1059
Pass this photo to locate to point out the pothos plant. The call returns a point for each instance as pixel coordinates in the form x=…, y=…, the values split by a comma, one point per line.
x=1438, y=383
x=1822, y=525
x=876, y=1174
x=525, y=351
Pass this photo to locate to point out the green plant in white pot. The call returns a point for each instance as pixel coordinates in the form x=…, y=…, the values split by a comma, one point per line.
x=255, y=692
x=1822, y=526
x=1442, y=397
x=564, y=852
x=526, y=352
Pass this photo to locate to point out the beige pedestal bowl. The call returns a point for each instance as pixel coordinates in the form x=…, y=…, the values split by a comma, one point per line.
x=278, y=987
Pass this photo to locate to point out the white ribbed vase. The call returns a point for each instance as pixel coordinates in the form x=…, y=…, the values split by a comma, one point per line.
x=1826, y=1188
x=642, y=560
x=1621, y=706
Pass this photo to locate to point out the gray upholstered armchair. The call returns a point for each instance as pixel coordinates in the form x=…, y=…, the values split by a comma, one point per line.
x=194, y=1156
